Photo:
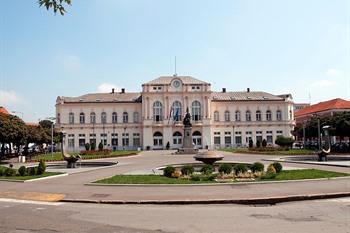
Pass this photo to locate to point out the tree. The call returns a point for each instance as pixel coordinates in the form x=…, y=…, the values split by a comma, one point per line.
x=284, y=141
x=56, y=5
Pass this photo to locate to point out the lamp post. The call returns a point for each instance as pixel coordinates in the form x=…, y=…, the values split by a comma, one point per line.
x=318, y=131
x=51, y=119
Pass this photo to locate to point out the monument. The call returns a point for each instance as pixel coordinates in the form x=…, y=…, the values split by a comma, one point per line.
x=71, y=159
x=188, y=147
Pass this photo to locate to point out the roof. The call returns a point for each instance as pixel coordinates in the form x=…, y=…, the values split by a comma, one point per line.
x=164, y=80
x=3, y=110
x=324, y=106
x=243, y=95
x=103, y=97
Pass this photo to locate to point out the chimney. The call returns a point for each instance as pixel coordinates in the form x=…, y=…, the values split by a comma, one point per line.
x=123, y=90
x=112, y=90
x=248, y=89
x=223, y=90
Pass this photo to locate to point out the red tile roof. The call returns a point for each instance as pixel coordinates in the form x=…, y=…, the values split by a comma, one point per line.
x=324, y=106
x=3, y=110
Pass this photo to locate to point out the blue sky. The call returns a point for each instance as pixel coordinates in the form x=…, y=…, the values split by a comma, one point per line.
x=291, y=46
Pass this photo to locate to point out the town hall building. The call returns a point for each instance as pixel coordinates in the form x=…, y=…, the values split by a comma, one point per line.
x=152, y=118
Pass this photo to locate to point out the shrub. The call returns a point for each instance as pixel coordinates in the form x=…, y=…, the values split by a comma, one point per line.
x=257, y=167
x=92, y=146
x=207, y=169
x=225, y=168
x=187, y=170
x=196, y=178
x=168, y=171
x=31, y=171
x=100, y=146
x=176, y=174
x=10, y=172
x=240, y=168
x=250, y=143
x=22, y=171
x=41, y=167
x=268, y=175
x=278, y=167
x=271, y=169
x=264, y=143
x=2, y=171
x=284, y=141
x=258, y=143
x=209, y=177
x=87, y=146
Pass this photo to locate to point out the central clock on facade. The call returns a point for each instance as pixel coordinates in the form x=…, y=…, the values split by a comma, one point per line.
x=176, y=83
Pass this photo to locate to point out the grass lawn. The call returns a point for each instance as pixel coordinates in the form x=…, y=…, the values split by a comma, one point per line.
x=267, y=152
x=146, y=179
x=57, y=156
x=158, y=179
x=306, y=174
x=46, y=174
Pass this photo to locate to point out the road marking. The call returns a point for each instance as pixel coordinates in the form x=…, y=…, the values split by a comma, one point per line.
x=30, y=202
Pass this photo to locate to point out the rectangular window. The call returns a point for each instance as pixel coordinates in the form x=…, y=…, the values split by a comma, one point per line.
x=238, y=140
x=114, y=140
x=227, y=140
x=217, y=140
x=125, y=139
x=269, y=139
x=81, y=142
x=104, y=138
x=259, y=138
x=279, y=132
x=136, y=139
x=71, y=140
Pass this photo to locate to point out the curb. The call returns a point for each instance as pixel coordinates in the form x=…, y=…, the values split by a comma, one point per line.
x=249, y=201
x=37, y=179
x=215, y=184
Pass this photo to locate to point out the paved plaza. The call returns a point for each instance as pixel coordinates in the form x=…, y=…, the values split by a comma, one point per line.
x=75, y=186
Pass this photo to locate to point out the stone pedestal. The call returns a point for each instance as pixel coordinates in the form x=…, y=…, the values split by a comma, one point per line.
x=188, y=147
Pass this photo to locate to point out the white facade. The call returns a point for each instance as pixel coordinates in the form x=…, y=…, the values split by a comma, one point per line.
x=153, y=118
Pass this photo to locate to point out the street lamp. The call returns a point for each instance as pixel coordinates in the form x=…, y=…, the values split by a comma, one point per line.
x=51, y=119
x=318, y=131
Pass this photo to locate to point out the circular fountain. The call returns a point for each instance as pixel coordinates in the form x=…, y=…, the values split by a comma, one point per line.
x=208, y=157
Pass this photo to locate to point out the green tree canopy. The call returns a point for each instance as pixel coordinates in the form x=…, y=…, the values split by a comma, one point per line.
x=56, y=5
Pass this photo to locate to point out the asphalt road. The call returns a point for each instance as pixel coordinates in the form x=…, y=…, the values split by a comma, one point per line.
x=332, y=215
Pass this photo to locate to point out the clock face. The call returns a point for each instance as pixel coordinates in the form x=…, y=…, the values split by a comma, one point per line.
x=176, y=83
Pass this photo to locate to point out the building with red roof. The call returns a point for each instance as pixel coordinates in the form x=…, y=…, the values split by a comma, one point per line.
x=326, y=108
x=3, y=110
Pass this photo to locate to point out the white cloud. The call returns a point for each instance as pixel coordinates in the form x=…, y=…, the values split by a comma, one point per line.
x=332, y=72
x=322, y=83
x=107, y=87
x=9, y=98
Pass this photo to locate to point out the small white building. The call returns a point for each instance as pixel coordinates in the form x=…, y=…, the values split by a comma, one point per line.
x=152, y=118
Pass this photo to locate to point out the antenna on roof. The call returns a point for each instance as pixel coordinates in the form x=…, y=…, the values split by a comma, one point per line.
x=175, y=74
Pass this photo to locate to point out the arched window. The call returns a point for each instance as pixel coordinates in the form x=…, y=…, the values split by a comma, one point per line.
x=71, y=118
x=216, y=116
x=136, y=117
x=92, y=118
x=157, y=140
x=103, y=118
x=82, y=118
x=227, y=115
x=248, y=116
x=176, y=111
x=196, y=111
x=157, y=111
x=268, y=115
x=279, y=115
x=258, y=115
x=290, y=115
x=125, y=117
x=114, y=117
x=177, y=139
x=238, y=115
x=197, y=139
x=58, y=118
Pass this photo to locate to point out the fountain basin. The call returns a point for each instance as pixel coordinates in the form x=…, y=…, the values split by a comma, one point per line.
x=208, y=157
